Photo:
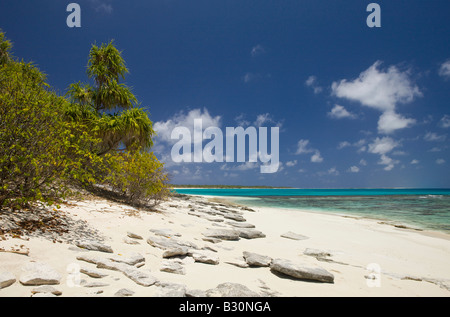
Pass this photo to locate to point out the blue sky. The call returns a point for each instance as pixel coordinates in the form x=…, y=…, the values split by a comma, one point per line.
x=356, y=106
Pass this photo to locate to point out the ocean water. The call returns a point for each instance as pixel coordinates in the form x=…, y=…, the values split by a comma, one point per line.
x=427, y=209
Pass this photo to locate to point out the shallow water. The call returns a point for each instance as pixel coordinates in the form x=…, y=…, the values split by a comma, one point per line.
x=419, y=208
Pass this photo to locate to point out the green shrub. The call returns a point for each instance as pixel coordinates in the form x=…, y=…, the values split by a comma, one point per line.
x=138, y=177
x=40, y=152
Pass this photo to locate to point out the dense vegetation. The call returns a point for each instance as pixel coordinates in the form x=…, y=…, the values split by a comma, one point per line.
x=95, y=137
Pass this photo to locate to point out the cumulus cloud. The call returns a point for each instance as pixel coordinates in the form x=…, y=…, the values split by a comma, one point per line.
x=445, y=122
x=382, y=90
x=382, y=146
x=354, y=169
x=414, y=162
x=440, y=161
x=181, y=119
x=102, y=6
x=339, y=112
x=444, y=70
x=291, y=163
x=316, y=157
x=434, y=137
x=312, y=82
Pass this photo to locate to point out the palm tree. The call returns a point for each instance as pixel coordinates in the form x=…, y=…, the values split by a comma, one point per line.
x=95, y=104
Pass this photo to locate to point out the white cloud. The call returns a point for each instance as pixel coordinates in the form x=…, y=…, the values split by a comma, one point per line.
x=382, y=145
x=339, y=112
x=390, y=163
x=440, y=161
x=390, y=121
x=333, y=171
x=102, y=6
x=354, y=169
x=291, y=163
x=302, y=147
x=316, y=157
x=444, y=70
x=413, y=162
x=257, y=50
x=312, y=82
x=382, y=90
x=434, y=137
x=445, y=122
x=181, y=119
x=363, y=162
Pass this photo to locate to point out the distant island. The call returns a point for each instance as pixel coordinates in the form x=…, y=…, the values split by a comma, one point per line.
x=224, y=186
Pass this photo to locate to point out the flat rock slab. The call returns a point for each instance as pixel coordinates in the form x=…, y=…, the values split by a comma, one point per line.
x=249, y=233
x=132, y=259
x=231, y=290
x=294, y=236
x=254, y=259
x=173, y=266
x=6, y=279
x=223, y=234
x=94, y=246
x=301, y=272
x=205, y=257
x=38, y=273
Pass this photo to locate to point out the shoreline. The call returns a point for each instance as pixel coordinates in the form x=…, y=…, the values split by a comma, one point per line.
x=411, y=264
x=382, y=221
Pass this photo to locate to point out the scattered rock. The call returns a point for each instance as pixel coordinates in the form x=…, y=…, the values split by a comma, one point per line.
x=205, y=257
x=231, y=290
x=172, y=290
x=294, y=236
x=316, y=253
x=238, y=262
x=134, y=236
x=253, y=259
x=249, y=233
x=46, y=289
x=124, y=292
x=240, y=224
x=223, y=234
x=168, y=233
x=88, y=258
x=140, y=277
x=6, y=279
x=195, y=293
x=95, y=284
x=173, y=266
x=133, y=259
x=177, y=251
x=38, y=273
x=300, y=272
x=93, y=272
x=94, y=246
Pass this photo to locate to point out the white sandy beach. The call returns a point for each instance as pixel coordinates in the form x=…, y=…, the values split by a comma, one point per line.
x=412, y=263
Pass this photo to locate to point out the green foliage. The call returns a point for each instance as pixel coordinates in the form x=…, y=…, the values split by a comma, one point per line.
x=130, y=128
x=40, y=152
x=138, y=177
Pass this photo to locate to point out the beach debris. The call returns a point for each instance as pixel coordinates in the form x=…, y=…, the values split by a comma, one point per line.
x=301, y=272
x=223, y=234
x=39, y=273
x=6, y=279
x=254, y=259
x=231, y=290
x=22, y=250
x=294, y=236
x=94, y=246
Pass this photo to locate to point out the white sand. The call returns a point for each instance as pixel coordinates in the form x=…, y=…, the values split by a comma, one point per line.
x=354, y=244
